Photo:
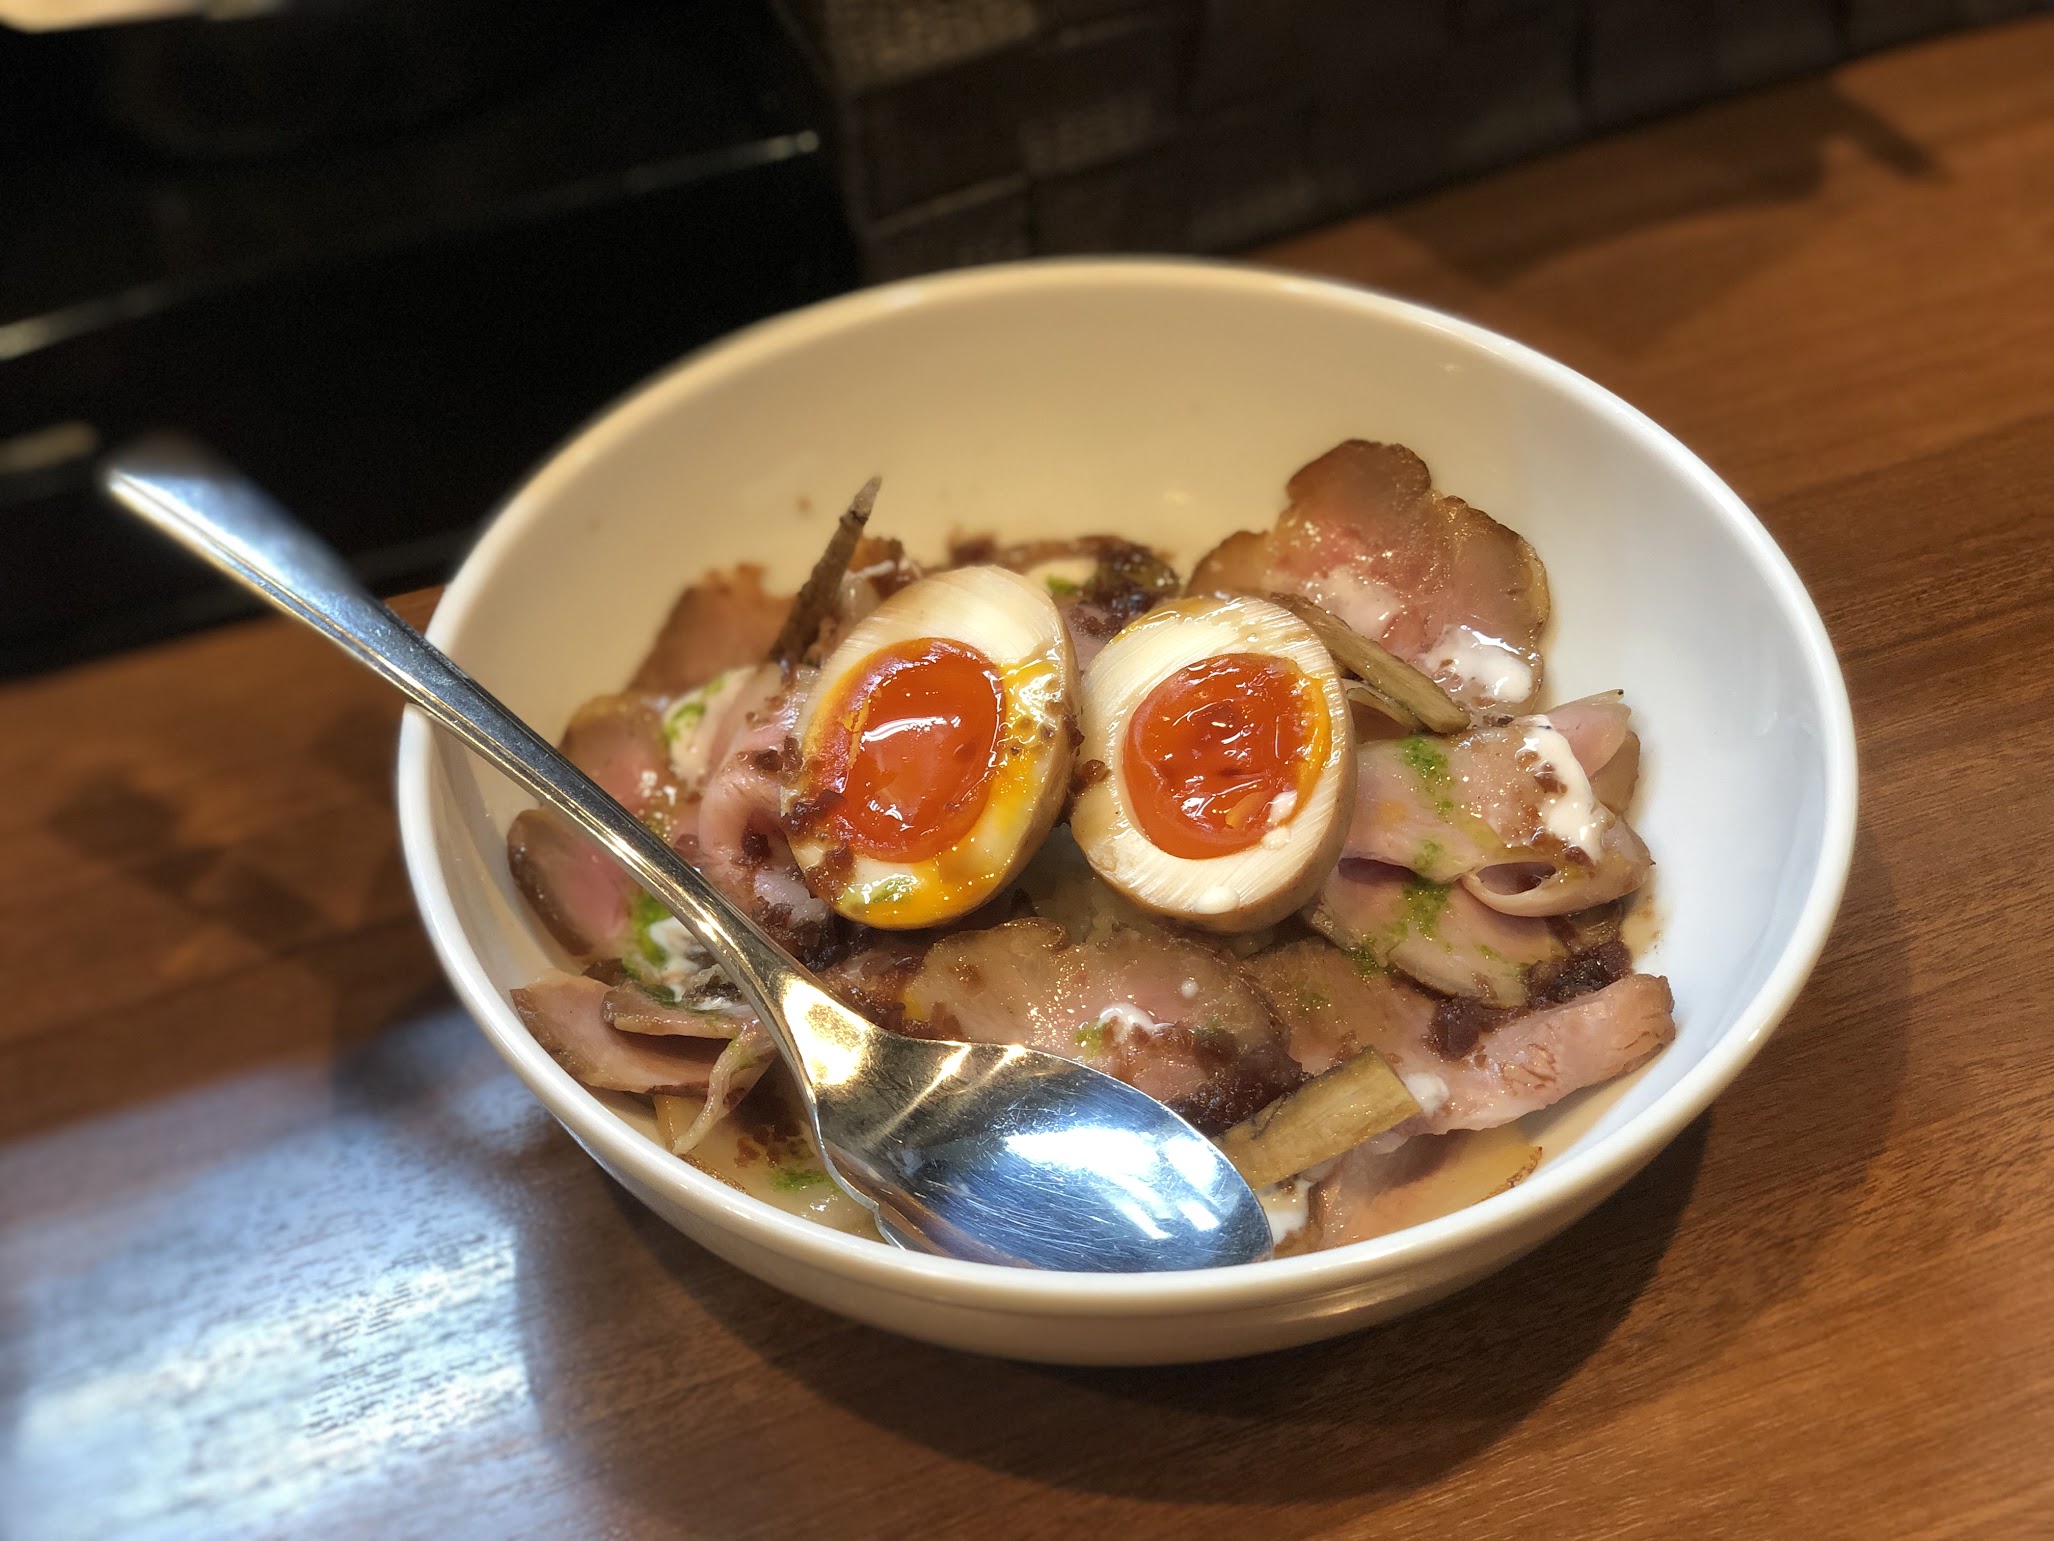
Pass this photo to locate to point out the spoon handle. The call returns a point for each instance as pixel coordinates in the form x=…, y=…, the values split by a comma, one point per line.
x=214, y=511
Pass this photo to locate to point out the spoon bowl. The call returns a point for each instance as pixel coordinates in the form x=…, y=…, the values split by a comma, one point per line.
x=999, y=1141
x=991, y=1153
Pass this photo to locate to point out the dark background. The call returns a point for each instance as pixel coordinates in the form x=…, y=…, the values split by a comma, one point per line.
x=385, y=253
x=382, y=255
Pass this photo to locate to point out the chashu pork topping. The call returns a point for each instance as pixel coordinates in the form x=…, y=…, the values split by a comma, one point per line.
x=1440, y=584
x=619, y=742
x=724, y=621
x=740, y=839
x=1371, y=1192
x=1524, y=1062
x=707, y=781
x=1438, y=933
x=1167, y=1015
x=575, y=889
x=1508, y=810
x=567, y=1015
x=582, y=1022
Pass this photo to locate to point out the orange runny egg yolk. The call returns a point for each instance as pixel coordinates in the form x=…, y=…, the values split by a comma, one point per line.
x=1213, y=747
x=906, y=751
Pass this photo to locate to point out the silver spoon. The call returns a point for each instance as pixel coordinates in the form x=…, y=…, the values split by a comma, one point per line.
x=984, y=1151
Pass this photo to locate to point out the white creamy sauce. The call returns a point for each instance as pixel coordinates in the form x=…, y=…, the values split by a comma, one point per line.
x=1362, y=602
x=1428, y=1090
x=1125, y=1018
x=686, y=968
x=1278, y=818
x=678, y=944
x=1485, y=663
x=1572, y=815
x=1035, y=699
x=1287, y=1206
x=692, y=725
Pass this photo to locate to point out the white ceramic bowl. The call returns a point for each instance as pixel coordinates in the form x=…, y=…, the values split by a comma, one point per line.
x=1168, y=401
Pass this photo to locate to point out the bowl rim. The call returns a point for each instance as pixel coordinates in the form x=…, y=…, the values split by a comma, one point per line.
x=1598, y=1169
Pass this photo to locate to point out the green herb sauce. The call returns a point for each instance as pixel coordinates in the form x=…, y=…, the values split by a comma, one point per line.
x=1424, y=902
x=1430, y=764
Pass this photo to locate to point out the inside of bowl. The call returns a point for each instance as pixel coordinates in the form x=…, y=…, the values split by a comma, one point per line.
x=1169, y=405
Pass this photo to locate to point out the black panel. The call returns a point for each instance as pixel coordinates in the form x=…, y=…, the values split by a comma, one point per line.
x=386, y=307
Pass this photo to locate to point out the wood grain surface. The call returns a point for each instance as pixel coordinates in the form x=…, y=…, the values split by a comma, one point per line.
x=285, y=1251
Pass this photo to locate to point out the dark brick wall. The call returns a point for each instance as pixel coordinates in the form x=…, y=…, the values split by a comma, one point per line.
x=973, y=129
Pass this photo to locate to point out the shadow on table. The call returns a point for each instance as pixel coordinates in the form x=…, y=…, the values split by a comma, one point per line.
x=217, y=911
x=1767, y=1179
x=1721, y=172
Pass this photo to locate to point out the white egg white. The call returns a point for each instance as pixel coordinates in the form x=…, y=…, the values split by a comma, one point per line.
x=1012, y=621
x=1241, y=890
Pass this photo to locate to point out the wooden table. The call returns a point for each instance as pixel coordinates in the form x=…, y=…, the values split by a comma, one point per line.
x=285, y=1251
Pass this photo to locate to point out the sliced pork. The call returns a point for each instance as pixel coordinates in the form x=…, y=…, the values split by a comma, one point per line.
x=1599, y=732
x=1508, y=811
x=619, y=742
x=661, y=761
x=566, y=1014
x=1441, y=584
x=685, y=1119
x=741, y=843
x=1525, y=1062
x=724, y=621
x=577, y=1019
x=1333, y=1008
x=1538, y=1058
x=1595, y=727
x=1438, y=933
x=578, y=892
x=1168, y=1016
x=632, y=1009
x=1372, y=1192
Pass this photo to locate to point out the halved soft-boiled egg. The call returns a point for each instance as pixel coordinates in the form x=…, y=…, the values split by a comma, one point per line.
x=934, y=750
x=1218, y=768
